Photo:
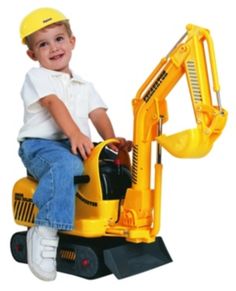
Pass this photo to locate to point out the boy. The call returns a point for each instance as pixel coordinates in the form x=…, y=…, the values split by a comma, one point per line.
x=55, y=137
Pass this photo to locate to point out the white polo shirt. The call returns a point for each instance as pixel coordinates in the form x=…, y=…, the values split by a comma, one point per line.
x=78, y=95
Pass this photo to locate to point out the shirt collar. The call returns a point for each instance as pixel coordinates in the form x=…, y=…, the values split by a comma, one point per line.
x=75, y=77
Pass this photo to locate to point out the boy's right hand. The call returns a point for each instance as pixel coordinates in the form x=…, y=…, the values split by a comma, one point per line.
x=81, y=144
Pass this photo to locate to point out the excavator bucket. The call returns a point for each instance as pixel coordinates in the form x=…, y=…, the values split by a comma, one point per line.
x=196, y=142
x=191, y=143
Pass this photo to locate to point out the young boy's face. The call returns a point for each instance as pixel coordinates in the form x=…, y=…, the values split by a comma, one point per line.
x=52, y=48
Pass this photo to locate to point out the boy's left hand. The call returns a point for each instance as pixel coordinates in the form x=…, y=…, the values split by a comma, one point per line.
x=123, y=144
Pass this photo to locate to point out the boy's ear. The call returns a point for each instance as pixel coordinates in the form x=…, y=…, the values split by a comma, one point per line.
x=73, y=41
x=31, y=54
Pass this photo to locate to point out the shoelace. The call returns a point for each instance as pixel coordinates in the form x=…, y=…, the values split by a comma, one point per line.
x=49, y=247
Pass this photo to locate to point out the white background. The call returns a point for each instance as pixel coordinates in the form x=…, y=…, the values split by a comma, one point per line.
x=118, y=44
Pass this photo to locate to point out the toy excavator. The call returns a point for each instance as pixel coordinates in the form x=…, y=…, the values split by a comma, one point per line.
x=117, y=213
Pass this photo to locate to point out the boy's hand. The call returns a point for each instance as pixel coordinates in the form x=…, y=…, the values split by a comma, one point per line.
x=81, y=144
x=123, y=145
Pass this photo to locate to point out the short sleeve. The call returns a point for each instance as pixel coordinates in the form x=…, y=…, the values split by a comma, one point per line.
x=94, y=100
x=37, y=85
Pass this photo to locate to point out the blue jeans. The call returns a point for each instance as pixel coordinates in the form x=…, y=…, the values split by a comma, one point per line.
x=52, y=163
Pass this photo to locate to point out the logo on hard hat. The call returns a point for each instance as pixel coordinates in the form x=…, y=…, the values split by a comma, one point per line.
x=47, y=19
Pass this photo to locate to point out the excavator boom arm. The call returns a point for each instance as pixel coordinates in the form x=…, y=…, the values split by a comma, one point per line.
x=188, y=57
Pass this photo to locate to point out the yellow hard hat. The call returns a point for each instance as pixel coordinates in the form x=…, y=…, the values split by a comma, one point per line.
x=38, y=19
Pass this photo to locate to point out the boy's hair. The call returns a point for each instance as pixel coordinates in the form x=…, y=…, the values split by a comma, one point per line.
x=66, y=24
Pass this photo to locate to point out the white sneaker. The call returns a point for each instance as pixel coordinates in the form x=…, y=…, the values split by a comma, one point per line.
x=42, y=245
